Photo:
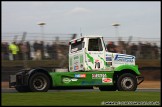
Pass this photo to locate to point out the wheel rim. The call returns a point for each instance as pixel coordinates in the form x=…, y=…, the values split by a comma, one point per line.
x=127, y=83
x=39, y=83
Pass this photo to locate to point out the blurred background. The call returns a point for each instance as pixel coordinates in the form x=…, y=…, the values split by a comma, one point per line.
x=52, y=52
x=54, y=46
x=127, y=27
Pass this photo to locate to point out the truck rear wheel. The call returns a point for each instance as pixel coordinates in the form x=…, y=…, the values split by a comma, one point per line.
x=127, y=82
x=39, y=82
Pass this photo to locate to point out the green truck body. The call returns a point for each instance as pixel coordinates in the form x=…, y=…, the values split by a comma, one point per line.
x=92, y=78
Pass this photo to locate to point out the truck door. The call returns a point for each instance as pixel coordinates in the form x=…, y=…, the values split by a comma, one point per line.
x=76, y=52
x=95, y=54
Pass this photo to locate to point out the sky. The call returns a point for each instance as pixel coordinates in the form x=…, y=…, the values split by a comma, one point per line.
x=137, y=19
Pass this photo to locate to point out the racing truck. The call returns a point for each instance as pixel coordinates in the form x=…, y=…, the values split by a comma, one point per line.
x=90, y=65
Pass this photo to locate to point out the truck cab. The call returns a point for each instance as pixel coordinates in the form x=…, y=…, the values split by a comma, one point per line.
x=89, y=53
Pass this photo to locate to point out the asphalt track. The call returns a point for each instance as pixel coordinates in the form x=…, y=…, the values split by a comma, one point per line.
x=12, y=90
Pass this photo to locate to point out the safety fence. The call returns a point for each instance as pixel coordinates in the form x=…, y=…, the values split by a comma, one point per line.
x=51, y=46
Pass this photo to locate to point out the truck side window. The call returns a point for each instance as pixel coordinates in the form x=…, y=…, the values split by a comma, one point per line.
x=95, y=45
x=76, y=46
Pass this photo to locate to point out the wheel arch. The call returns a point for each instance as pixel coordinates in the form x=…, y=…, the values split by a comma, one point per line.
x=128, y=68
x=41, y=70
x=117, y=74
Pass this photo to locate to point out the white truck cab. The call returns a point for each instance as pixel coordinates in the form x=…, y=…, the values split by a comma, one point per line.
x=89, y=53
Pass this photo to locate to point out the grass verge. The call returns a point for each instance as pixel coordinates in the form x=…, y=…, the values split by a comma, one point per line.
x=78, y=98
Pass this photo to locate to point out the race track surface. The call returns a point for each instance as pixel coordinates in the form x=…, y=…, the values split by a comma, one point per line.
x=12, y=90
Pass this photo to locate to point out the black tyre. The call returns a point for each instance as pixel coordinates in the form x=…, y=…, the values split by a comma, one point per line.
x=107, y=88
x=22, y=88
x=127, y=82
x=39, y=82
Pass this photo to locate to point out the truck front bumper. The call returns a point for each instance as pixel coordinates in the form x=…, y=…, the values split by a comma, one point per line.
x=12, y=81
x=19, y=79
x=140, y=79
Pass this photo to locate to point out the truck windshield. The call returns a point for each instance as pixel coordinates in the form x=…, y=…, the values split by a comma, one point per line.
x=95, y=44
x=77, y=46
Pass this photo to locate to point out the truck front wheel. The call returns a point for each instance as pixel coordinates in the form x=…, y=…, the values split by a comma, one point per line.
x=39, y=82
x=127, y=82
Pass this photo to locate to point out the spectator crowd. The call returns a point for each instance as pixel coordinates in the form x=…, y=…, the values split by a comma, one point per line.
x=36, y=51
x=140, y=50
x=39, y=51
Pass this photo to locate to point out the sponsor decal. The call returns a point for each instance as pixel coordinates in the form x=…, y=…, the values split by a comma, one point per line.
x=124, y=58
x=97, y=64
x=91, y=82
x=76, y=63
x=108, y=59
x=106, y=80
x=66, y=80
x=74, y=79
x=98, y=76
x=109, y=63
x=81, y=65
x=76, y=57
x=76, y=67
x=80, y=75
x=97, y=53
x=108, y=55
x=77, y=75
x=81, y=58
